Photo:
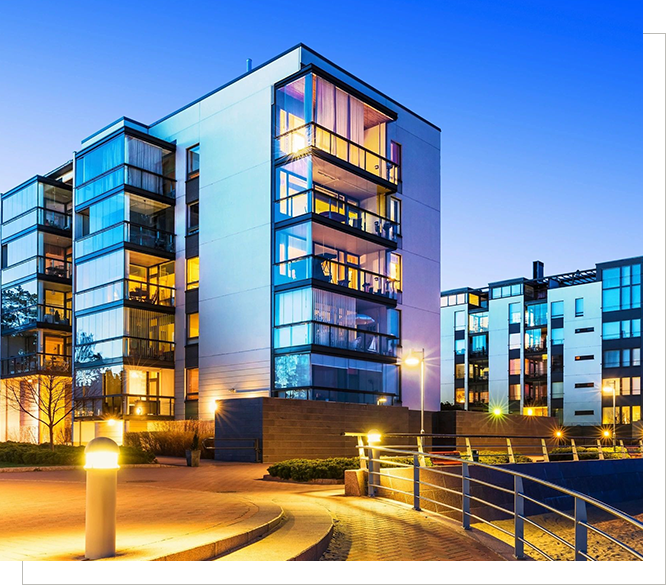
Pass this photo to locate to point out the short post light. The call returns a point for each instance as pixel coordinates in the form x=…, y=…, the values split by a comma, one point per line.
x=416, y=358
x=101, y=486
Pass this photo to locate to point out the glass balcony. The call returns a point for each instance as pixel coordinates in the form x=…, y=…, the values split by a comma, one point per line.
x=20, y=318
x=55, y=219
x=124, y=404
x=37, y=363
x=316, y=333
x=54, y=267
x=331, y=206
x=298, y=140
x=153, y=294
x=133, y=233
x=126, y=175
x=140, y=348
x=343, y=275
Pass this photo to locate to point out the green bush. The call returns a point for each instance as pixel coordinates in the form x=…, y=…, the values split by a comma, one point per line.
x=41, y=455
x=498, y=457
x=172, y=438
x=566, y=453
x=334, y=468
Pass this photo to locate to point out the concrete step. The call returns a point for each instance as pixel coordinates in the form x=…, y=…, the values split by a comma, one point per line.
x=304, y=535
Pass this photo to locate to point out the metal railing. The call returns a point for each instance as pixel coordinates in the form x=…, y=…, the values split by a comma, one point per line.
x=41, y=313
x=312, y=135
x=461, y=481
x=256, y=445
x=333, y=272
x=124, y=405
x=328, y=335
x=338, y=209
x=35, y=363
x=146, y=292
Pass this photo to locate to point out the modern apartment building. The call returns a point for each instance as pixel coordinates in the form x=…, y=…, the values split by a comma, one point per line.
x=548, y=346
x=276, y=237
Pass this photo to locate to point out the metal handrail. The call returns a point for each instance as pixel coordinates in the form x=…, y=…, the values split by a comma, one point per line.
x=579, y=518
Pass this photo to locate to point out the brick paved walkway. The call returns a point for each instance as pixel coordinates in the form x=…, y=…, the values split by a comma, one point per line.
x=42, y=515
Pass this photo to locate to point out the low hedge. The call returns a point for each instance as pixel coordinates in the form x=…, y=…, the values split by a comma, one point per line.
x=31, y=454
x=499, y=458
x=334, y=468
x=566, y=453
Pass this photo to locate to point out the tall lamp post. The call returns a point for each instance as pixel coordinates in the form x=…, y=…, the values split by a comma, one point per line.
x=416, y=358
x=607, y=390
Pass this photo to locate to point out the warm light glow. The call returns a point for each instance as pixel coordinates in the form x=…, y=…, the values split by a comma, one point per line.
x=558, y=433
x=497, y=411
x=381, y=400
x=138, y=410
x=374, y=437
x=213, y=404
x=135, y=374
x=606, y=433
x=413, y=359
x=530, y=412
x=111, y=422
x=102, y=453
x=609, y=390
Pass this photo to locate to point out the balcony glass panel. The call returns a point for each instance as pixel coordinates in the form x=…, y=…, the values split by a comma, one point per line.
x=19, y=202
x=36, y=363
x=23, y=222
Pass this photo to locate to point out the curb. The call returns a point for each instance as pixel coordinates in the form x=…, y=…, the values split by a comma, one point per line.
x=75, y=467
x=211, y=550
x=314, y=552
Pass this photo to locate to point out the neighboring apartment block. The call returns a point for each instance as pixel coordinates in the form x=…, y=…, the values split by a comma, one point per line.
x=277, y=237
x=548, y=346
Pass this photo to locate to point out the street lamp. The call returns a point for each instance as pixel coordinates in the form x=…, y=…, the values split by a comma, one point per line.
x=414, y=359
x=609, y=389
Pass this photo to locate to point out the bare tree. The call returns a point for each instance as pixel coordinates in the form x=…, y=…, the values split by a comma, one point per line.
x=47, y=398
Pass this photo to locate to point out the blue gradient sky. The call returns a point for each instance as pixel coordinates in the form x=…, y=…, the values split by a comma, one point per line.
x=540, y=103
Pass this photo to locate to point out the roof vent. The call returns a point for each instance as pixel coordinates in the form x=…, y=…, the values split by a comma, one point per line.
x=248, y=65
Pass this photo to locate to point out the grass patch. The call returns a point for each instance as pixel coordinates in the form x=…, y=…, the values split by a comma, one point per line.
x=28, y=454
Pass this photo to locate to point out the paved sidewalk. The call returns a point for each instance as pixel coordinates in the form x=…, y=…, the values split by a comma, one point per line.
x=42, y=515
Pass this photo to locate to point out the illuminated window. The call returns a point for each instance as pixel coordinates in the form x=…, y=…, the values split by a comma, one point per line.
x=193, y=326
x=460, y=346
x=460, y=371
x=557, y=389
x=514, y=340
x=460, y=396
x=395, y=269
x=193, y=162
x=636, y=413
x=514, y=366
x=192, y=273
x=191, y=383
x=515, y=312
x=636, y=385
x=514, y=391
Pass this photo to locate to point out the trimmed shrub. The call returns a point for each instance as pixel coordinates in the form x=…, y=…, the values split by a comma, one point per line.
x=566, y=453
x=172, y=438
x=41, y=455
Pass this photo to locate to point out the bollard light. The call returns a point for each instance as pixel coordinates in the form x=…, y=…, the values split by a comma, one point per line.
x=101, y=485
x=374, y=437
x=497, y=411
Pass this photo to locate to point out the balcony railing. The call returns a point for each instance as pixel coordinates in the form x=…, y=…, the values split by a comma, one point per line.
x=37, y=363
x=317, y=201
x=316, y=333
x=55, y=219
x=154, y=294
x=140, y=348
x=313, y=135
x=126, y=175
x=123, y=404
x=54, y=267
x=19, y=318
x=343, y=275
x=133, y=233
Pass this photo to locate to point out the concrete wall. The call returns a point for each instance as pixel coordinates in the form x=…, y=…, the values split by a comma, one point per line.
x=306, y=429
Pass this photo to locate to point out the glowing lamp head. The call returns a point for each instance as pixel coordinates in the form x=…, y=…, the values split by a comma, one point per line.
x=111, y=422
x=497, y=411
x=138, y=410
x=530, y=412
x=374, y=437
x=102, y=453
x=412, y=360
x=606, y=433
x=608, y=390
x=213, y=404
x=558, y=434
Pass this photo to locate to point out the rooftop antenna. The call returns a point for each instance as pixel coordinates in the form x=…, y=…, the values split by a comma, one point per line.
x=248, y=65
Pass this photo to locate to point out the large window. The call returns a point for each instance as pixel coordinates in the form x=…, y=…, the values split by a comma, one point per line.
x=193, y=273
x=19, y=202
x=515, y=366
x=622, y=288
x=616, y=358
x=193, y=218
x=536, y=315
x=459, y=320
x=580, y=307
x=479, y=345
x=557, y=309
x=515, y=312
x=99, y=160
x=622, y=329
x=100, y=270
x=193, y=162
x=191, y=383
x=509, y=290
x=478, y=322
x=461, y=345
x=193, y=327
x=557, y=336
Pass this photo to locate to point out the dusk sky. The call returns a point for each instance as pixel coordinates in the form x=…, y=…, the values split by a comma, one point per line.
x=540, y=103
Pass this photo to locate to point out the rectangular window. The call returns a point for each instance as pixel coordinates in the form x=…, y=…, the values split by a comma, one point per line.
x=636, y=385
x=584, y=385
x=193, y=162
x=636, y=357
x=536, y=315
x=557, y=309
x=622, y=288
x=514, y=391
x=557, y=390
x=460, y=371
x=193, y=327
x=459, y=320
x=625, y=386
x=193, y=218
x=191, y=383
x=479, y=345
x=514, y=340
x=460, y=396
x=557, y=336
x=515, y=312
x=607, y=415
x=580, y=358
x=611, y=330
x=580, y=307
x=478, y=322
x=585, y=330
x=514, y=366
x=612, y=358
x=193, y=273
x=396, y=156
x=636, y=413
x=460, y=346
x=635, y=327
x=584, y=412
